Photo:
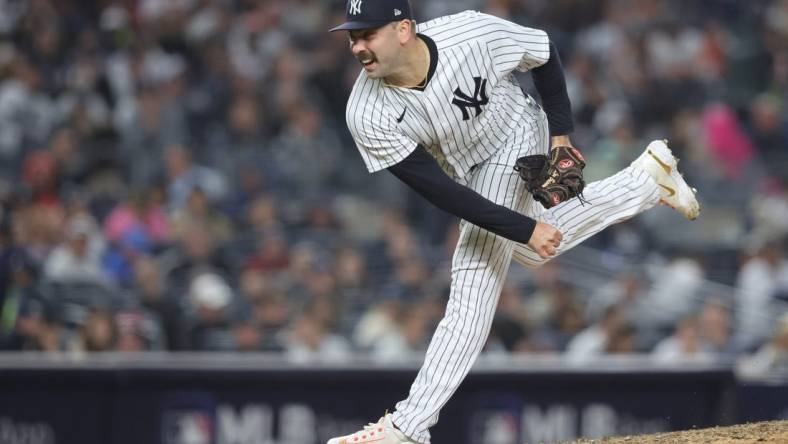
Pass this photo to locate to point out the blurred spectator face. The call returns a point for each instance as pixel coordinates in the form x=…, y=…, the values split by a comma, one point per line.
x=251, y=179
x=178, y=161
x=46, y=39
x=272, y=253
x=272, y=310
x=198, y=243
x=247, y=337
x=138, y=202
x=78, y=236
x=570, y=320
x=150, y=108
x=687, y=334
x=40, y=171
x=198, y=203
x=413, y=273
x=130, y=343
x=262, y=213
x=715, y=323
x=765, y=114
x=254, y=285
x=64, y=146
x=321, y=217
x=321, y=284
x=622, y=340
x=78, y=244
x=148, y=278
x=413, y=324
x=244, y=116
x=510, y=302
x=350, y=267
x=612, y=319
x=99, y=331
x=309, y=331
x=290, y=65
x=401, y=243
x=22, y=70
x=38, y=226
x=302, y=260
x=307, y=121
x=561, y=295
x=772, y=253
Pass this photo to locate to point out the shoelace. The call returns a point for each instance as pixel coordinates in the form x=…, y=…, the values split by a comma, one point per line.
x=369, y=430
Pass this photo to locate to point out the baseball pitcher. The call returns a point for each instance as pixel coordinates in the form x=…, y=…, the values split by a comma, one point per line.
x=438, y=106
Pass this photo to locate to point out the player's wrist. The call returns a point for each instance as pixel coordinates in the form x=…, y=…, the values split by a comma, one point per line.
x=560, y=141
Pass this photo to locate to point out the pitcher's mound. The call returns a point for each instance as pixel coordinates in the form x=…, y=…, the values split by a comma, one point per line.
x=772, y=432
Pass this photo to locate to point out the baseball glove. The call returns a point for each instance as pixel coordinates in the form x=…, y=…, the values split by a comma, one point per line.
x=555, y=179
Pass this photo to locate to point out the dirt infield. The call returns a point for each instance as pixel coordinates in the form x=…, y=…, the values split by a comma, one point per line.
x=774, y=432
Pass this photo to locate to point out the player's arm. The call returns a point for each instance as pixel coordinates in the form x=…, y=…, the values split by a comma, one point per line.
x=421, y=172
x=551, y=85
x=515, y=47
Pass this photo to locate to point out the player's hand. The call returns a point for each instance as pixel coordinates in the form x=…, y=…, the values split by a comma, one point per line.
x=545, y=240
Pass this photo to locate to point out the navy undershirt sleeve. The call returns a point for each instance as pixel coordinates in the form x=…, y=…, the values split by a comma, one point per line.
x=551, y=85
x=421, y=172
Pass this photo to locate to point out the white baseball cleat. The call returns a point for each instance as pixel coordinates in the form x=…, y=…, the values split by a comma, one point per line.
x=658, y=161
x=384, y=432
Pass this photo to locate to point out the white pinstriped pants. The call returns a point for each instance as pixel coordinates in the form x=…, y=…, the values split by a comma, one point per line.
x=481, y=262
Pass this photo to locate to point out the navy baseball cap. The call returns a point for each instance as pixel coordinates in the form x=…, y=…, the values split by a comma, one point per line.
x=365, y=14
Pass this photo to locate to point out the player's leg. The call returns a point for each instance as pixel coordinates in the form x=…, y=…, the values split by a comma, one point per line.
x=611, y=200
x=479, y=267
x=652, y=178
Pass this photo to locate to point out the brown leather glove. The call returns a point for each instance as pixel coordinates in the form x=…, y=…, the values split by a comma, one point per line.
x=555, y=179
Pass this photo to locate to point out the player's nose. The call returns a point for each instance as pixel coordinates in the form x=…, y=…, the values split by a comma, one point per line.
x=357, y=47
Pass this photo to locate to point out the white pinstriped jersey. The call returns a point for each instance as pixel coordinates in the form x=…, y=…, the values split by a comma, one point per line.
x=472, y=105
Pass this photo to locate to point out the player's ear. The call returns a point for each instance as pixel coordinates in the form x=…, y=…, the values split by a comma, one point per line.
x=405, y=30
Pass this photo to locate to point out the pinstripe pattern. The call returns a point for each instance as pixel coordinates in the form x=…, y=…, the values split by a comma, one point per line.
x=470, y=44
x=481, y=262
x=479, y=152
x=614, y=199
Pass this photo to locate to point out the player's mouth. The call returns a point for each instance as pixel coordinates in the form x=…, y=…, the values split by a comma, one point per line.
x=367, y=62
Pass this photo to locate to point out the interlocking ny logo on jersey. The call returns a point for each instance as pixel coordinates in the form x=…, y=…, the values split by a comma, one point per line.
x=479, y=98
x=355, y=7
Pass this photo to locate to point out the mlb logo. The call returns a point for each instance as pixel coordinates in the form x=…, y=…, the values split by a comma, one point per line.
x=187, y=427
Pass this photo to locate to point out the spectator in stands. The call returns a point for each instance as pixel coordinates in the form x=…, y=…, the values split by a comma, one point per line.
x=685, y=345
x=78, y=257
x=211, y=317
x=230, y=114
x=184, y=175
x=199, y=209
x=758, y=284
x=672, y=299
x=772, y=357
x=135, y=227
x=408, y=339
x=194, y=251
x=595, y=340
x=155, y=304
x=714, y=327
x=22, y=312
x=99, y=332
x=310, y=339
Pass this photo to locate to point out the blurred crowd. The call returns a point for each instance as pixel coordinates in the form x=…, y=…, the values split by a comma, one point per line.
x=177, y=175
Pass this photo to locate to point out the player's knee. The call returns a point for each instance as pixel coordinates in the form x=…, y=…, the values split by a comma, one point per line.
x=530, y=260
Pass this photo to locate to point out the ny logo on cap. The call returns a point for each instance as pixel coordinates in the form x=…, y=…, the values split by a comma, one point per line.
x=355, y=7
